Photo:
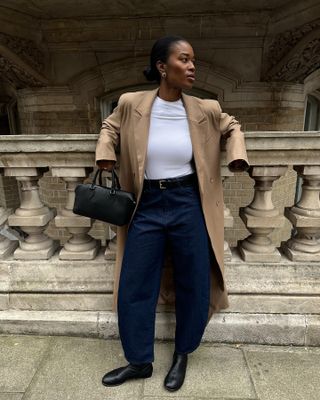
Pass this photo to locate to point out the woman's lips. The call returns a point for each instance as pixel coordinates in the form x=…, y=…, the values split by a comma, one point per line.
x=191, y=77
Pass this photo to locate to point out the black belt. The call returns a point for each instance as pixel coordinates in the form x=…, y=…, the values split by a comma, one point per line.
x=170, y=182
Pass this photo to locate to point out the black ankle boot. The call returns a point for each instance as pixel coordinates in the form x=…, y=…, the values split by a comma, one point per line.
x=175, y=377
x=131, y=371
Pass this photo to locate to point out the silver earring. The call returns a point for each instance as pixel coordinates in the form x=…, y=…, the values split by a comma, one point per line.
x=163, y=74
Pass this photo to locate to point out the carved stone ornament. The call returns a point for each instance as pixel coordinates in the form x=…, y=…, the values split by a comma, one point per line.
x=25, y=49
x=21, y=63
x=294, y=54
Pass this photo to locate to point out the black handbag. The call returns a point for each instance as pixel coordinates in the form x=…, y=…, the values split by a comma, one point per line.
x=108, y=204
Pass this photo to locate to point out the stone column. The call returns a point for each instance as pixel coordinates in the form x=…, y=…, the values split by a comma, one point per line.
x=305, y=217
x=32, y=216
x=228, y=218
x=80, y=246
x=260, y=217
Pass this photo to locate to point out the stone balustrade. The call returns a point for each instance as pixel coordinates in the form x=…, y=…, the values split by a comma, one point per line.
x=71, y=157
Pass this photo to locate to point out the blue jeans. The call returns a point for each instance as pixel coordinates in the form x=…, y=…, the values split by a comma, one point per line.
x=164, y=217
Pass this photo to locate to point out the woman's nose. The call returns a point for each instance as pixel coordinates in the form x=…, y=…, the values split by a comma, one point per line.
x=192, y=66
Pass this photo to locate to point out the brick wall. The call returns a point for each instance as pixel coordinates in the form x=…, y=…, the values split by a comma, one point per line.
x=9, y=192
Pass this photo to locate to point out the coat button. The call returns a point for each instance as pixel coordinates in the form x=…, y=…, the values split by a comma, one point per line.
x=211, y=180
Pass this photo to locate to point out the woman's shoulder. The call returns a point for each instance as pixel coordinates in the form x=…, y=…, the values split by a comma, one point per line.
x=208, y=105
x=132, y=96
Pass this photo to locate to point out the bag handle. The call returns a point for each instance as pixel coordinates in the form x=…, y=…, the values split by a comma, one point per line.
x=115, y=184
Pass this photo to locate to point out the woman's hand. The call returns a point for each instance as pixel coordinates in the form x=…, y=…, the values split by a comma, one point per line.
x=106, y=164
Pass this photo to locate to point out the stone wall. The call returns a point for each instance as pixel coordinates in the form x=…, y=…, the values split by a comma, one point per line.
x=58, y=110
x=64, y=66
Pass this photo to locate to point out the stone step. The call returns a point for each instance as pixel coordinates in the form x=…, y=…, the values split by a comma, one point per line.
x=278, y=329
x=96, y=276
x=239, y=303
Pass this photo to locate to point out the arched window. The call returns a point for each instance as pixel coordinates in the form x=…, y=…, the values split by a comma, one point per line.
x=312, y=114
x=311, y=123
x=9, y=121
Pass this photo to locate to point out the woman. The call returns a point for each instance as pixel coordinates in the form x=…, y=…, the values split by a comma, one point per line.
x=170, y=158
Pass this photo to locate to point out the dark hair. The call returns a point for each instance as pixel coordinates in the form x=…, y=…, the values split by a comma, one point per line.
x=160, y=51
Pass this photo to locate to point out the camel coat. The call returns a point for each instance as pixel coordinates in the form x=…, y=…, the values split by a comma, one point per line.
x=128, y=126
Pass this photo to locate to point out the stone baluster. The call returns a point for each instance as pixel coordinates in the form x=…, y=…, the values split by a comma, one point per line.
x=228, y=218
x=80, y=246
x=261, y=217
x=305, y=217
x=6, y=246
x=111, y=248
x=32, y=216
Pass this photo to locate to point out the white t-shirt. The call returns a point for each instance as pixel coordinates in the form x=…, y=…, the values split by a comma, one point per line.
x=169, y=151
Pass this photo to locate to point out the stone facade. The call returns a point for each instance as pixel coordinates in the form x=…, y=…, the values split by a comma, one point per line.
x=59, y=74
x=63, y=67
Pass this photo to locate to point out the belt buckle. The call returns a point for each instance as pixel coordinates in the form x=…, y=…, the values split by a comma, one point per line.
x=161, y=183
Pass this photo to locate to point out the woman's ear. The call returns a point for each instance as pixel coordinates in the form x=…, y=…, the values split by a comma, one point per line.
x=161, y=66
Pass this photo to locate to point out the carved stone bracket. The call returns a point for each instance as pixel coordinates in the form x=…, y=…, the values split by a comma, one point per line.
x=293, y=54
x=21, y=62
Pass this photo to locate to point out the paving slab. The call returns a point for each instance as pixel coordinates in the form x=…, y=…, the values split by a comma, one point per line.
x=212, y=372
x=20, y=357
x=73, y=370
x=192, y=398
x=285, y=373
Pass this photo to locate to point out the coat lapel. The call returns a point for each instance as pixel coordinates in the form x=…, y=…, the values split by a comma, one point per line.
x=198, y=127
x=196, y=119
x=142, y=113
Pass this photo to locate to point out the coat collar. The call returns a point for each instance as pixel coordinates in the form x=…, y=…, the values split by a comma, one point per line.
x=197, y=120
x=193, y=109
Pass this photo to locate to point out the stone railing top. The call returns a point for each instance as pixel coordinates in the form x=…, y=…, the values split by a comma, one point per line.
x=264, y=148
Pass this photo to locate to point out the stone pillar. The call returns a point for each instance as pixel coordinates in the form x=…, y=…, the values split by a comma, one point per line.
x=260, y=217
x=305, y=217
x=32, y=217
x=80, y=246
x=228, y=218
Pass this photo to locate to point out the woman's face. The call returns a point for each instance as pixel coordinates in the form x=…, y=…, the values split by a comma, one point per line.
x=180, y=66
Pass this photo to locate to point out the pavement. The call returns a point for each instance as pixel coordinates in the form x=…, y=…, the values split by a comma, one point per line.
x=61, y=367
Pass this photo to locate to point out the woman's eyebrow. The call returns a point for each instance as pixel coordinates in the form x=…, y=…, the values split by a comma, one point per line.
x=185, y=54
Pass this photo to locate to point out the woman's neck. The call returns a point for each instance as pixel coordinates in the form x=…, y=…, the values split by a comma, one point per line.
x=169, y=93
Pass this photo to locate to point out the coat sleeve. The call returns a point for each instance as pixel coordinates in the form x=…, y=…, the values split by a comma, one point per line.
x=230, y=129
x=109, y=134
